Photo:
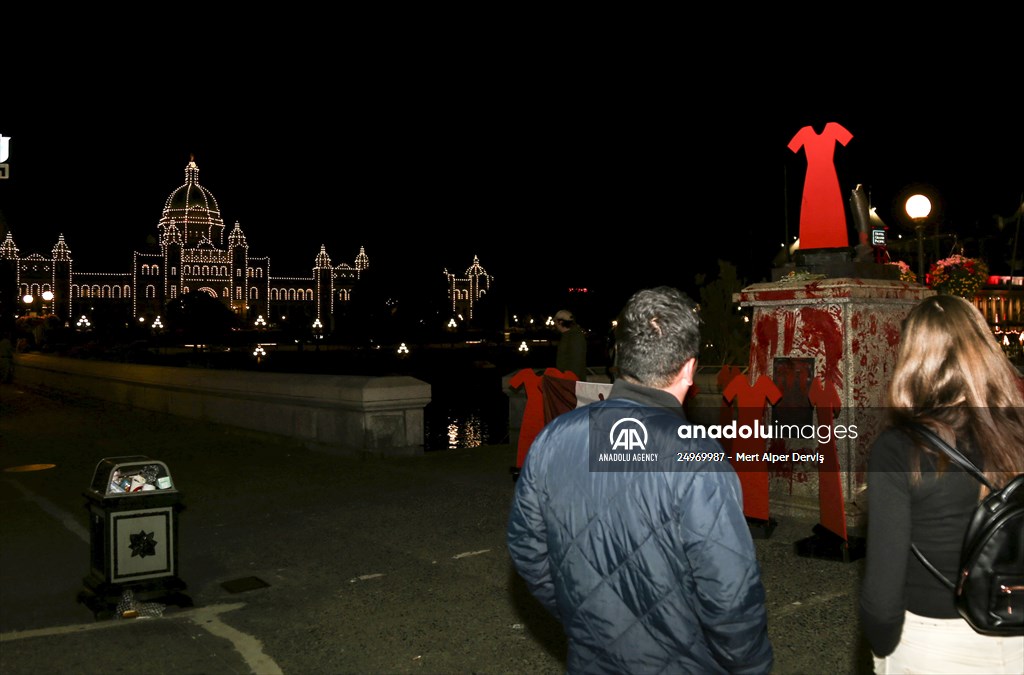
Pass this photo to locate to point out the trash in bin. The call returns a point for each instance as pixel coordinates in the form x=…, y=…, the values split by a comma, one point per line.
x=133, y=505
x=130, y=608
x=149, y=477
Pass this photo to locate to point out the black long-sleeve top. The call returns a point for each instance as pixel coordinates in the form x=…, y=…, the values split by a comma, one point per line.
x=933, y=514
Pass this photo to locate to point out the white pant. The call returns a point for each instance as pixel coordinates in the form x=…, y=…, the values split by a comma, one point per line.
x=951, y=646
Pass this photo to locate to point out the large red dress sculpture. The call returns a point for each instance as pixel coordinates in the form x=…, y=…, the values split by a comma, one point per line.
x=822, y=211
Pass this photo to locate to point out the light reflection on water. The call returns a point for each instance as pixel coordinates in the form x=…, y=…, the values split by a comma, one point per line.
x=469, y=432
x=466, y=424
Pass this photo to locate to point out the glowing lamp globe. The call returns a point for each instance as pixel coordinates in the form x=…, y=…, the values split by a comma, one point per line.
x=918, y=206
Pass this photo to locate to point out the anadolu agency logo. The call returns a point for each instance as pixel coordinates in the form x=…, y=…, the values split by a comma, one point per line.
x=628, y=434
x=619, y=441
x=5, y=154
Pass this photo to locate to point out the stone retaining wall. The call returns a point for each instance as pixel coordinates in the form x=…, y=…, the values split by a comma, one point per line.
x=338, y=413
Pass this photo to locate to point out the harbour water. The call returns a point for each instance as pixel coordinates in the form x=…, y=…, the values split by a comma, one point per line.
x=468, y=406
x=456, y=420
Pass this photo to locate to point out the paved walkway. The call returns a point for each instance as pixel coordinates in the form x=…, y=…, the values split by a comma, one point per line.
x=352, y=565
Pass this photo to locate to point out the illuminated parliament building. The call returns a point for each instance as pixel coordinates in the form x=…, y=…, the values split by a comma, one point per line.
x=192, y=256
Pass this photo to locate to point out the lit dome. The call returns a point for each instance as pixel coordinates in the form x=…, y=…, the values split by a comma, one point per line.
x=194, y=210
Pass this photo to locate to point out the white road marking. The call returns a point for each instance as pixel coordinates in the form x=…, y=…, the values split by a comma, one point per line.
x=469, y=553
x=63, y=517
x=248, y=647
x=207, y=618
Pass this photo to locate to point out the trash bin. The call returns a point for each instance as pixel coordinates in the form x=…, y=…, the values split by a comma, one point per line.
x=133, y=508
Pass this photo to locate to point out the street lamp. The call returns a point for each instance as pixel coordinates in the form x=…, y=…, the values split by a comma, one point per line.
x=318, y=333
x=28, y=300
x=47, y=298
x=918, y=207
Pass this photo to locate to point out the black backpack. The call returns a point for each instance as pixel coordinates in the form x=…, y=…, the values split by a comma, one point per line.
x=989, y=590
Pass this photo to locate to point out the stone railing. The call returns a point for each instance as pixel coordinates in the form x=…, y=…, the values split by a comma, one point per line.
x=338, y=413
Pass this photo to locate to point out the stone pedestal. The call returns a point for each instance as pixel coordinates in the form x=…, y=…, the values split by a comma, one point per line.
x=842, y=333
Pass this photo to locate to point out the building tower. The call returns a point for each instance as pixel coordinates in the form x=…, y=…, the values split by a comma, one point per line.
x=61, y=285
x=323, y=279
x=464, y=292
x=362, y=262
x=239, y=250
x=195, y=211
x=170, y=245
x=8, y=282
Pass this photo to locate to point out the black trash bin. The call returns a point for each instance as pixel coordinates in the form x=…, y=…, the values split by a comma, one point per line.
x=133, y=508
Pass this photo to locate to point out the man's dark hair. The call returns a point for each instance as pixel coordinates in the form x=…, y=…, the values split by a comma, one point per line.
x=658, y=331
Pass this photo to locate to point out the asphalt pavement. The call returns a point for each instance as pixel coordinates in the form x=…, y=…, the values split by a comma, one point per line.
x=309, y=562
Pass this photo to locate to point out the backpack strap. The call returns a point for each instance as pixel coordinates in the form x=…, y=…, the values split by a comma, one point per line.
x=964, y=463
x=954, y=455
x=931, y=568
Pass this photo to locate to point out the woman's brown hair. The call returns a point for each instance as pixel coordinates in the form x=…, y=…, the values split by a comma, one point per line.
x=952, y=375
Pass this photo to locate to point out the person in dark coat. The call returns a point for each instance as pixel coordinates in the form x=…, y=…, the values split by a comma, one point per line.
x=571, y=356
x=628, y=526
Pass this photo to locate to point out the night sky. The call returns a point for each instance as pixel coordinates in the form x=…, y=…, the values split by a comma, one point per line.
x=552, y=184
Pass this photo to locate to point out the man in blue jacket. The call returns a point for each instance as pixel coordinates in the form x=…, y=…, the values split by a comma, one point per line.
x=630, y=530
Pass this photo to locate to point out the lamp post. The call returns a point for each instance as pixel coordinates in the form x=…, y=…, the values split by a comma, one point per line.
x=318, y=333
x=28, y=299
x=47, y=302
x=918, y=207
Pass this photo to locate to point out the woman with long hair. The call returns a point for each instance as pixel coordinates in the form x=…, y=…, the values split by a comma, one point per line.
x=952, y=376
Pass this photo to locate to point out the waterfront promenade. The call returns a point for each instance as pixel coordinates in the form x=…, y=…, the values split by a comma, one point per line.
x=358, y=564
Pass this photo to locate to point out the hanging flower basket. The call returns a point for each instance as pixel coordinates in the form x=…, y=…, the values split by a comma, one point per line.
x=958, y=275
x=906, y=274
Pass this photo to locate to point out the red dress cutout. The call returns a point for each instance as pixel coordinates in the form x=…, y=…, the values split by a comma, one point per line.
x=831, y=511
x=533, y=414
x=753, y=476
x=725, y=414
x=822, y=210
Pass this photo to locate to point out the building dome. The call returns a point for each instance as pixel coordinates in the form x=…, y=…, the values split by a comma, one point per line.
x=194, y=211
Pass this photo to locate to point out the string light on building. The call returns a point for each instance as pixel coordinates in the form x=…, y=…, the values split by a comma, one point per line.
x=191, y=252
x=465, y=291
